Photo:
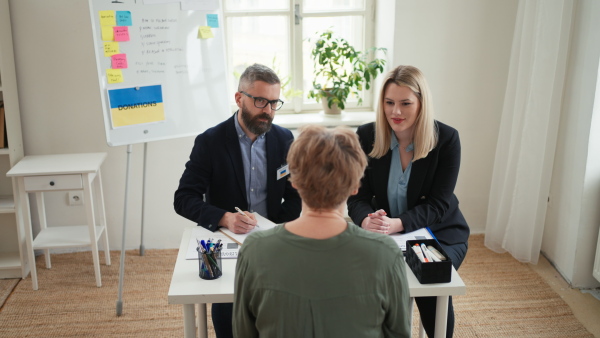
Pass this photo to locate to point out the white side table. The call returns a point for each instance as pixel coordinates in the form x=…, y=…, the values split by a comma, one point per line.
x=65, y=172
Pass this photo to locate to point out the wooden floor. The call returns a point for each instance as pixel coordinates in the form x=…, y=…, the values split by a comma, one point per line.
x=585, y=306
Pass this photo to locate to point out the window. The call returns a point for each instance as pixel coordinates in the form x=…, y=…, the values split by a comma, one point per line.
x=276, y=32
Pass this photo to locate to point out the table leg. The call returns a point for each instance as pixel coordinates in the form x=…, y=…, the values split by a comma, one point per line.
x=411, y=308
x=41, y=208
x=189, y=325
x=202, y=324
x=102, y=216
x=26, y=216
x=91, y=223
x=441, y=316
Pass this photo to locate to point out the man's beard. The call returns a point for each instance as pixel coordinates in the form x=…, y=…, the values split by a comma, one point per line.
x=255, y=126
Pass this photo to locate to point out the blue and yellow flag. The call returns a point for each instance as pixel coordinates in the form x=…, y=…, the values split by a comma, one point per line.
x=136, y=105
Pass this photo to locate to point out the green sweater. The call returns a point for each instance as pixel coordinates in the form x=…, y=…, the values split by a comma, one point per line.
x=350, y=285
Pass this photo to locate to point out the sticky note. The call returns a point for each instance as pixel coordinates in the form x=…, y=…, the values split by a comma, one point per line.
x=114, y=75
x=107, y=33
x=119, y=61
x=123, y=18
x=107, y=18
x=205, y=32
x=121, y=33
x=212, y=20
x=111, y=48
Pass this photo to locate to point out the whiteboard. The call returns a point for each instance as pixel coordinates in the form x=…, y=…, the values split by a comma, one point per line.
x=164, y=50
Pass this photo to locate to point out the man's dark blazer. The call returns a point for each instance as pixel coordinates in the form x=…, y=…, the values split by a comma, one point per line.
x=430, y=196
x=216, y=171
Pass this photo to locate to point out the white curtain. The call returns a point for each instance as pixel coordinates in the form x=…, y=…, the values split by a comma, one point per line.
x=528, y=129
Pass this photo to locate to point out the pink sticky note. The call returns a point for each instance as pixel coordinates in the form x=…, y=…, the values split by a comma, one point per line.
x=119, y=61
x=121, y=33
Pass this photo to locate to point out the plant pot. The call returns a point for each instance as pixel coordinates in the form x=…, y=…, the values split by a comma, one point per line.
x=334, y=110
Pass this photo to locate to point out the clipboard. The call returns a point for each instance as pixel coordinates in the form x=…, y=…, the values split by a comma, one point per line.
x=417, y=235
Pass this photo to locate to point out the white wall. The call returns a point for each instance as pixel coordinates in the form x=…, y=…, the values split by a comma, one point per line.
x=463, y=47
x=573, y=215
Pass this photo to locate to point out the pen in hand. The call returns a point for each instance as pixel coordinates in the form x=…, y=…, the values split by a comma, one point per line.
x=244, y=214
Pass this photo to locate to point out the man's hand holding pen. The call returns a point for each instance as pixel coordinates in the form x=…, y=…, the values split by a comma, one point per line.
x=238, y=222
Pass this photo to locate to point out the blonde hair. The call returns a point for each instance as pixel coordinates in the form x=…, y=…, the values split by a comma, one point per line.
x=425, y=133
x=326, y=165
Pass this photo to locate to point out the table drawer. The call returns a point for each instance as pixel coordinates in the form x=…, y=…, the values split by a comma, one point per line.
x=53, y=182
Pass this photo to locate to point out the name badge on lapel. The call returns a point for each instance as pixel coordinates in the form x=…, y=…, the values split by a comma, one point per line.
x=282, y=172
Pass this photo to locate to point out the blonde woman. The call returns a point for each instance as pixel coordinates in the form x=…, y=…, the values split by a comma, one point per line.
x=413, y=167
x=320, y=276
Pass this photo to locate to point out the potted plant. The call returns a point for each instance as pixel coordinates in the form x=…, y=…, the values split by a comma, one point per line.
x=340, y=71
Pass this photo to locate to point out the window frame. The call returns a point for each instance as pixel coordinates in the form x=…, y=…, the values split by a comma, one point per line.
x=297, y=105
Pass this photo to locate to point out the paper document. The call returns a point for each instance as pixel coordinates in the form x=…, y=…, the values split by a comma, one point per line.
x=263, y=224
x=401, y=239
x=230, y=248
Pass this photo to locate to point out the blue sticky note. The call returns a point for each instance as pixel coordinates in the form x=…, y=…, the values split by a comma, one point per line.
x=123, y=18
x=212, y=20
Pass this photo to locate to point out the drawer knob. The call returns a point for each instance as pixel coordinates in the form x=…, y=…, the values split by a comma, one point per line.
x=52, y=183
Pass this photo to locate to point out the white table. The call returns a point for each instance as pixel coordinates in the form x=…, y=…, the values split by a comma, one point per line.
x=188, y=289
x=63, y=172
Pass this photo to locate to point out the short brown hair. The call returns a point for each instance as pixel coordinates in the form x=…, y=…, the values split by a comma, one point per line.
x=326, y=165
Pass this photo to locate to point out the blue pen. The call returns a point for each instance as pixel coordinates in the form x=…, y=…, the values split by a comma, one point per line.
x=203, y=244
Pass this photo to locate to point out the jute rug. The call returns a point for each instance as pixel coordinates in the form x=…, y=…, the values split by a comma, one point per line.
x=68, y=303
x=6, y=288
x=504, y=298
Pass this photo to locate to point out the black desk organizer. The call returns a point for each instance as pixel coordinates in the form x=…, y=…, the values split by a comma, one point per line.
x=432, y=272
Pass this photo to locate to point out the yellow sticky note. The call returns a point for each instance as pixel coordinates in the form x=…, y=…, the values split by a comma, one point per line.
x=107, y=33
x=111, y=48
x=205, y=32
x=114, y=75
x=108, y=18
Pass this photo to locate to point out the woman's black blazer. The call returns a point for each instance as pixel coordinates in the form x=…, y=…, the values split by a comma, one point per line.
x=430, y=195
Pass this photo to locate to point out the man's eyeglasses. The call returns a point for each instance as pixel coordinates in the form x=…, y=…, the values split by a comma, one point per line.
x=261, y=102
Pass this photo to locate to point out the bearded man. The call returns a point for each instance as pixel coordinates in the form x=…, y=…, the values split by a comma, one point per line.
x=241, y=162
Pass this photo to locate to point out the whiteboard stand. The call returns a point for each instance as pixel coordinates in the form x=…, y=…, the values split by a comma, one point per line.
x=122, y=262
x=142, y=249
x=189, y=70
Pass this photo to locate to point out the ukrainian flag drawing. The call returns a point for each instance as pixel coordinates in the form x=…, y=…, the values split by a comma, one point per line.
x=136, y=105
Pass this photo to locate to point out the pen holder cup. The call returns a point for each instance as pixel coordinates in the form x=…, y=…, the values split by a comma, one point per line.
x=210, y=265
x=431, y=272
